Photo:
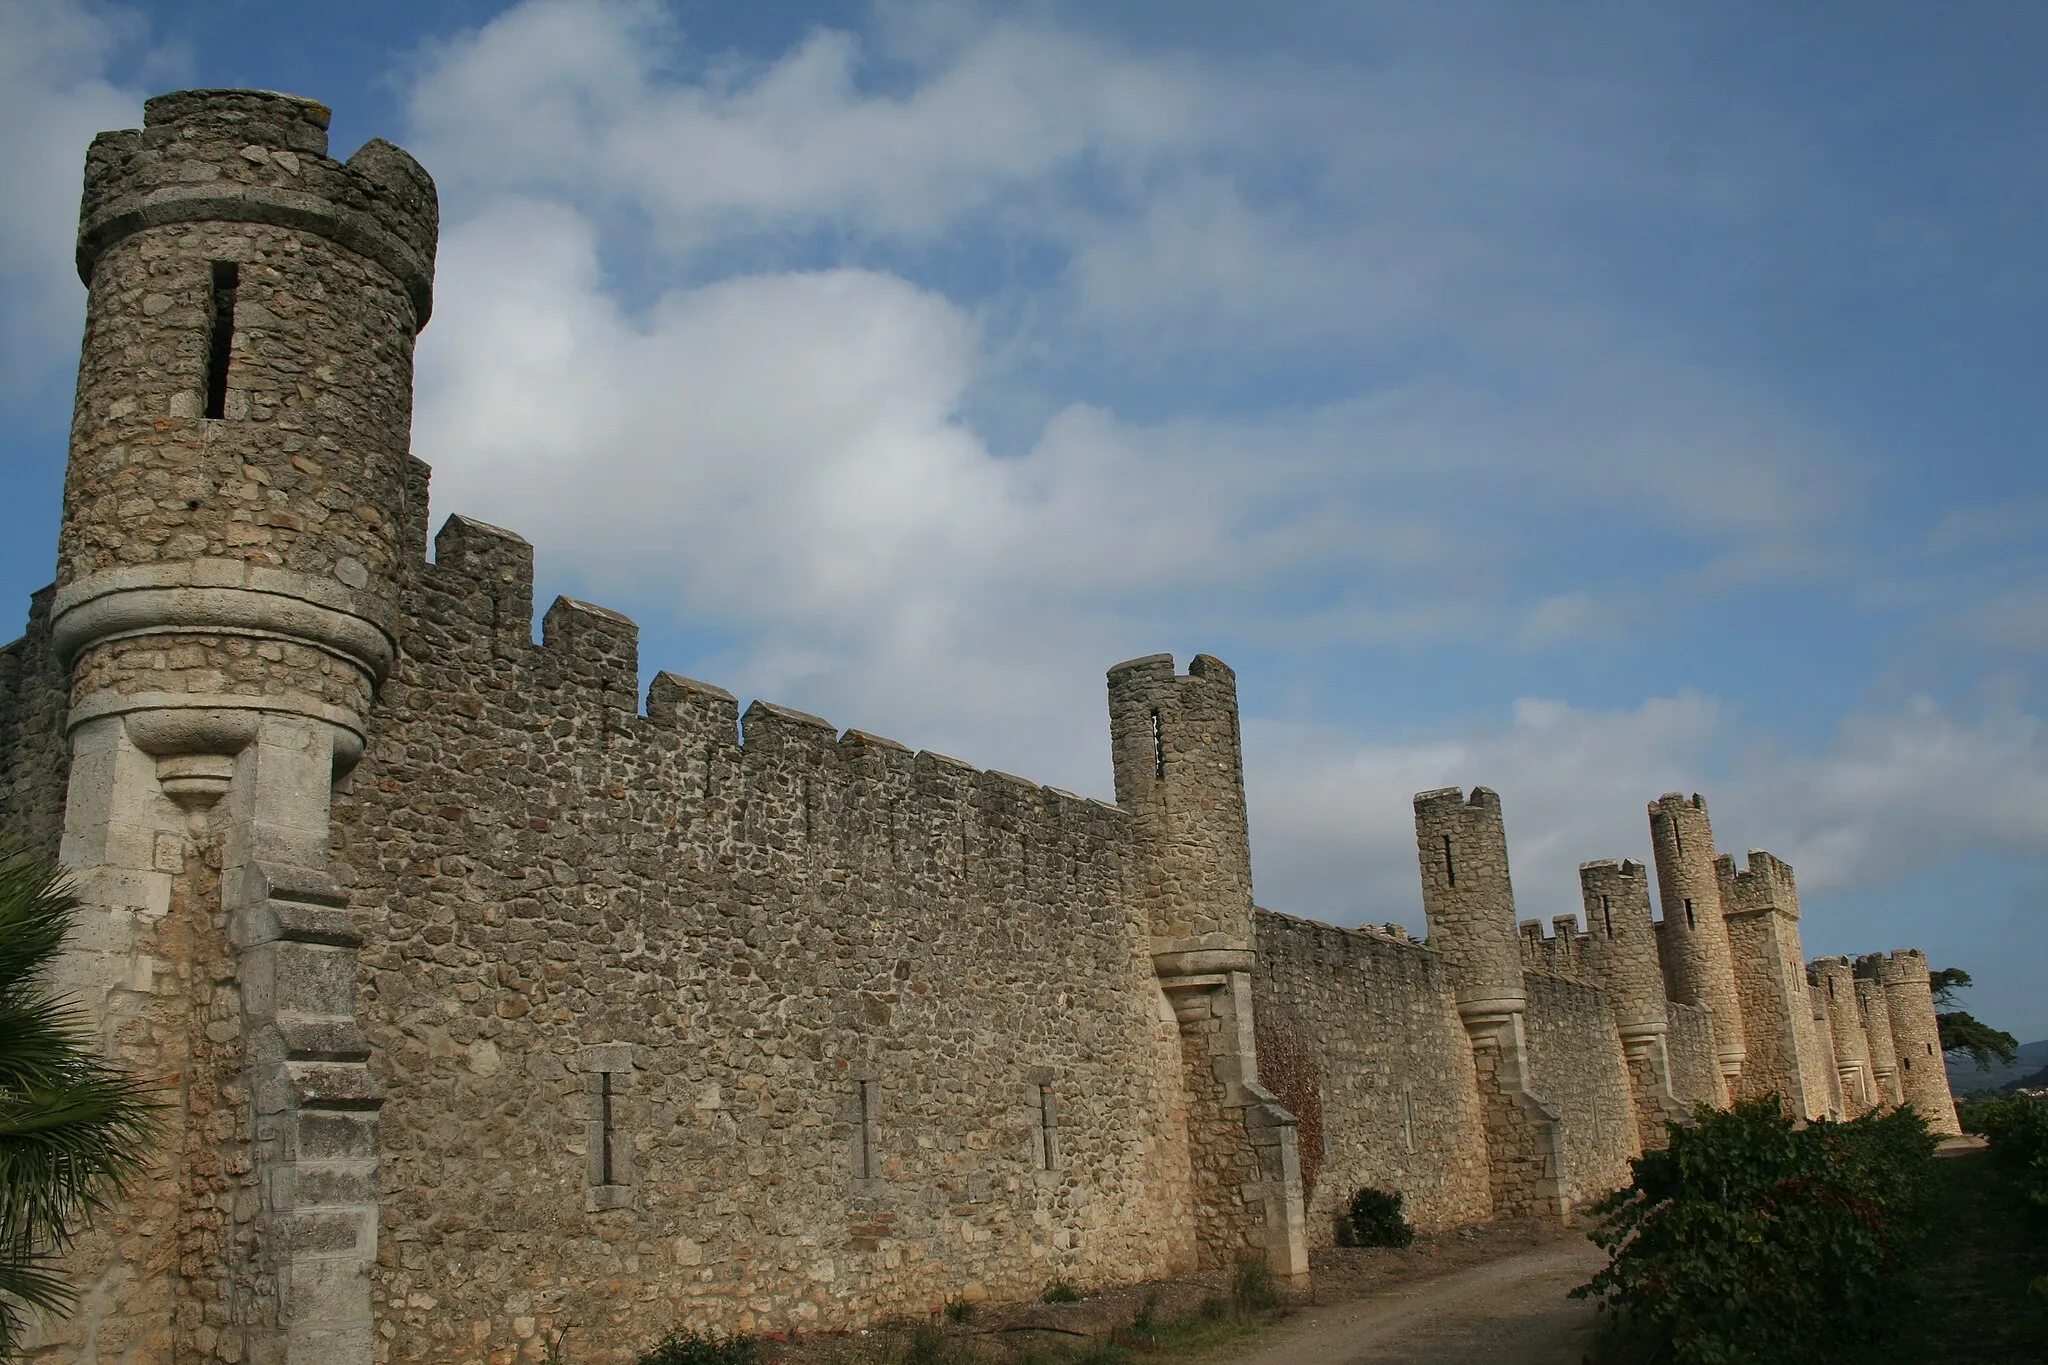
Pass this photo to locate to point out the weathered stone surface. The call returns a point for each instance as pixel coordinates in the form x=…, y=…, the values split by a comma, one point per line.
x=484, y=1002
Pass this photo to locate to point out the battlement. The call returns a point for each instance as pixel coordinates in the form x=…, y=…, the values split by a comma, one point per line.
x=255, y=156
x=1565, y=951
x=1765, y=886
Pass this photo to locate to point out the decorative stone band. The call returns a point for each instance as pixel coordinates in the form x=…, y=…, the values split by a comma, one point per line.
x=1486, y=1013
x=1204, y=962
x=225, y=597
x=267, y=204
x=195, y=734
x=1639, y=1037
x=168, y=724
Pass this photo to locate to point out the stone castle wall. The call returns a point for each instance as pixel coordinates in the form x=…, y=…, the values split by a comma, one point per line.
x=881, y=1029
x=1399, y=1106
x=484, y=1002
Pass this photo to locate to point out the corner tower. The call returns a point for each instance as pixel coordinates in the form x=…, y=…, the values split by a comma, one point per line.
x=236, y=503
x=1179, y=772
x=1916, y=1038
x=1699, y=967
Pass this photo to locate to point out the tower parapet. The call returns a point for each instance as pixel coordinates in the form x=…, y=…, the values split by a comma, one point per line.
x=1699, y=967
x=1916, y=1037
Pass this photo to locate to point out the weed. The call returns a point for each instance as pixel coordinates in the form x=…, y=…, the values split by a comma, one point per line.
x=959, y=1310
x=1060, y=1290
x=1254, y=1290
x=681, y=1347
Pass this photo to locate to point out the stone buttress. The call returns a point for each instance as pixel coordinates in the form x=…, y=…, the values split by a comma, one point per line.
x=1461, y=845
x=1698, y=963
x=1622, y=946
x=1761, y=907
x=1916, y=1039
x=1180, y=773
x=228, y=569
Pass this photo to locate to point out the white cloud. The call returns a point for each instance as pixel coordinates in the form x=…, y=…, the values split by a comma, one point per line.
x=585, y=96
x=54, y=96
x=1333, y=836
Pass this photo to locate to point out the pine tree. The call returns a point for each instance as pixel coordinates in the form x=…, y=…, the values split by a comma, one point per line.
x=74, y=1129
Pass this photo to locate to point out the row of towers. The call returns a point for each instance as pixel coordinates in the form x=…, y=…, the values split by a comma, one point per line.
x=1829, y=1039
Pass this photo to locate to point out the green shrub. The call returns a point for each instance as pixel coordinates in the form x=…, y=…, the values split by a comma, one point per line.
x=2018, y=1128
x=1060, y=1290
x=1254, y=1290
x=1374, y=1220
x=690, y=1348
x=959, y=1310
x=1750, y=1239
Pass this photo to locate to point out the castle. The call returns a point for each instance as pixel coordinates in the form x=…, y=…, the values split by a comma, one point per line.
x=487, y=1001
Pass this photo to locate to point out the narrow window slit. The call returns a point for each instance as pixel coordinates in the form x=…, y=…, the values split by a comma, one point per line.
x=1690, y=922
x=1048, y=1129
x=1158, y=747
x=1450, y=867
x=221, y=340
x=604, y=1119
x=1607, y=914
x=864, y=1132
x=1677, y=836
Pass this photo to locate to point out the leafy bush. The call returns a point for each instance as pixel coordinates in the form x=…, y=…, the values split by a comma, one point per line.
x=2018, y=1129
x=1060, y=1290
x=1254, y=1290
x=689, y=1348
x=1374, y=1220
x=1750, y=1239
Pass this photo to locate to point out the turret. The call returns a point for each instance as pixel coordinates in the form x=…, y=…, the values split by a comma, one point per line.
x=1462, y=846
x=240, y=510
x=1180, y=772
x=230, y=542
x=1923, y=1074
x=1877, y=1028
x=1622, y=942
x=1852, y=1043
x=1698, y=965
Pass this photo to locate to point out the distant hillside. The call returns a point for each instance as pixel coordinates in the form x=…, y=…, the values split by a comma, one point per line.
x=1964, y=1077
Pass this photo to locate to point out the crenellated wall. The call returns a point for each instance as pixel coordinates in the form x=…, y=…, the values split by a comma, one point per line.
x=485, y=1000
x=837, y=987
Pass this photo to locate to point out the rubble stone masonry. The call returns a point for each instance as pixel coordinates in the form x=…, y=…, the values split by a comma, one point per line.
x=492, y=997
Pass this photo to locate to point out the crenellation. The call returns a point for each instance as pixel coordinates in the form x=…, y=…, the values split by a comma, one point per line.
x=497, y=1001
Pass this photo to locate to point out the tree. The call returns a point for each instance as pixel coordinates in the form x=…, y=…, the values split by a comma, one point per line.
x=74, y=1129
x=1962, y=1032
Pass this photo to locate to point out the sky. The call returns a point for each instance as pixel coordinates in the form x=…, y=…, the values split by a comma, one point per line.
x=1587, y=400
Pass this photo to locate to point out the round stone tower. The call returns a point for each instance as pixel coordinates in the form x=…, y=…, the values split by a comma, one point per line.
x=1180, y=771
x=230, y=542
x=1923, y=1074
x=1622, y=942
x=228, y=571
x=1877, y=1026
x=1852, y=1042
x=1462, y=847
x=1699, y=967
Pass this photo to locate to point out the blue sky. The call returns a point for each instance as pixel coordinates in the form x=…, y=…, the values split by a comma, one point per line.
x=1587, y=400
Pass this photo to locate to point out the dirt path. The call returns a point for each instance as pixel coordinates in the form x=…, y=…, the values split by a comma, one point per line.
x=1507, y=1312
